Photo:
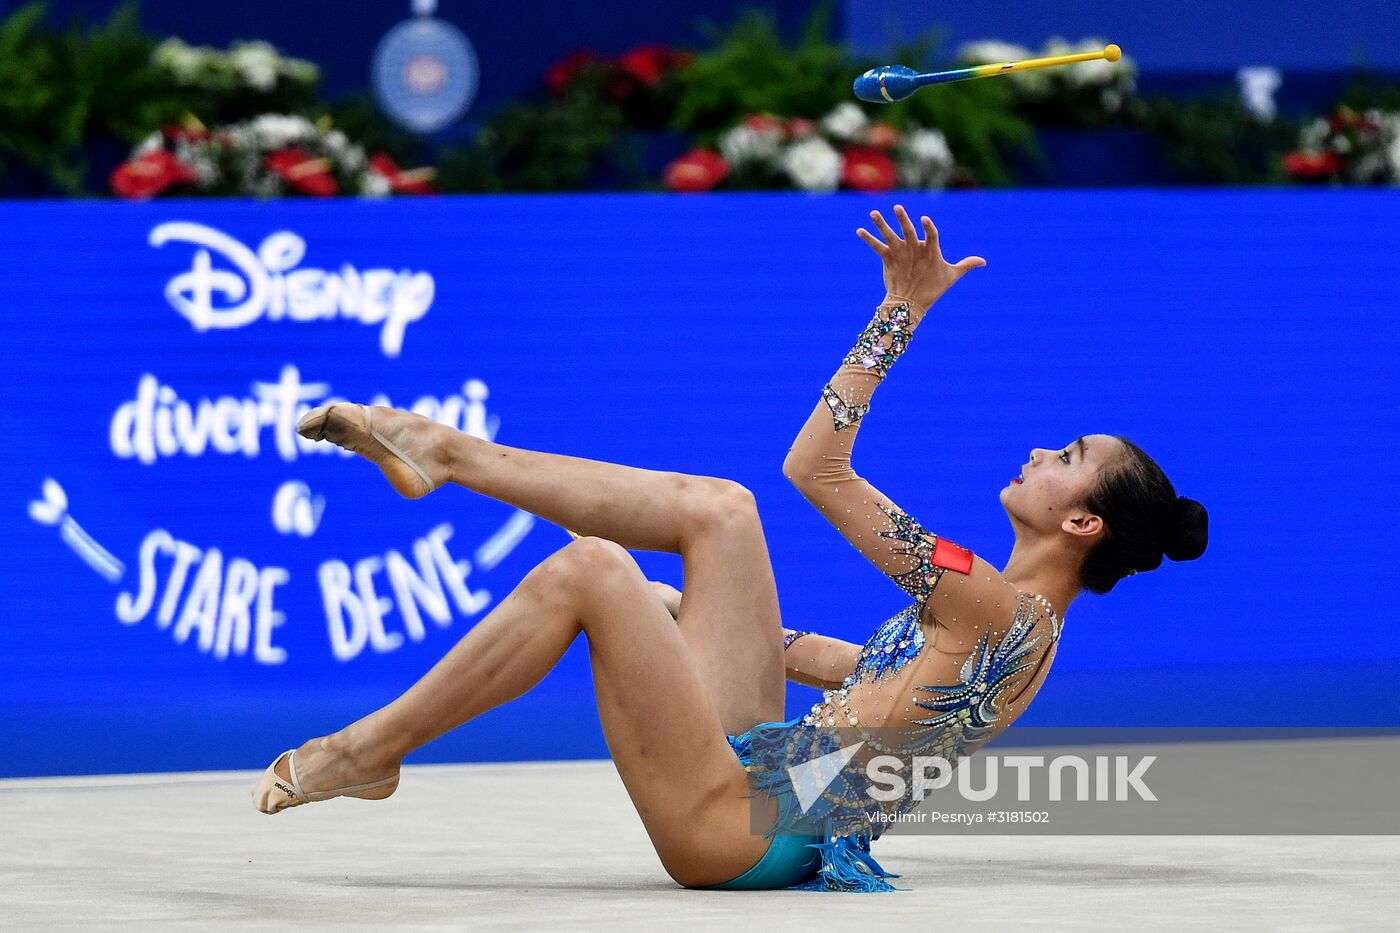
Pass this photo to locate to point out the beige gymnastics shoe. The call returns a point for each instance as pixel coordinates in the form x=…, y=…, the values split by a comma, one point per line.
x=400, y=443
x=275, y=793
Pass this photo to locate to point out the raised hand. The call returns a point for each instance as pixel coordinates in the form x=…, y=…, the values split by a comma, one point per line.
x=915, y=268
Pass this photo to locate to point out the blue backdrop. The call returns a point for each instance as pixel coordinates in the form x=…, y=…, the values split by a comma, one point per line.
x=188, y=586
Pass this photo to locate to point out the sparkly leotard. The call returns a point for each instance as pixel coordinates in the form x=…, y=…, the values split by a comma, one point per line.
x=940, y=678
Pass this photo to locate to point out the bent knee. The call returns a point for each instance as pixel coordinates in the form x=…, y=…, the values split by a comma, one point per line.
x=586, y=561
x=723, y=502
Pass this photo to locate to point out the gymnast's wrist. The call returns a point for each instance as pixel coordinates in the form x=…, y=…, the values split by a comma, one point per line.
x=790, y=636
x=917, y=310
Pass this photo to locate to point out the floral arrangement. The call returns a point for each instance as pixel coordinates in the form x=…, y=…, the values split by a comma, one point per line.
x=268, y=156
x=641, y=81
x=1348, y=146
x=843, y=149
x=1092, y=93
x=256, y=65
x=247, y=79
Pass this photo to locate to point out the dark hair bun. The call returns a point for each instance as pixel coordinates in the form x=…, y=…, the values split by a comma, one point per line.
x=1186, y=540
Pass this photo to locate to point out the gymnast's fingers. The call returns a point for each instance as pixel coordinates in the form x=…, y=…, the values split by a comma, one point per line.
x=906, y=224
x=874, y=242
x=885, y=229
x=930, y=231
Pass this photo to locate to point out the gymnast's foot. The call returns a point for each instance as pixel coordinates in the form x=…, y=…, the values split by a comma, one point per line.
x=404, y=445
x=325, y=767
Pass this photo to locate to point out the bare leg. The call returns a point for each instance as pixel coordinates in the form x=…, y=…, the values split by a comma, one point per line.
x=648, y=510
x=730, y=614
x=660, y=722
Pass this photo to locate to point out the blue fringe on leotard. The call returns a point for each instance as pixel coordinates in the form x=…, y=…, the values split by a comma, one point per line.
x=846, y=863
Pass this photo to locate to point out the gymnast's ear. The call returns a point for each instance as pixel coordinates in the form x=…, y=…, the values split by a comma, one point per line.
x=1083, y=525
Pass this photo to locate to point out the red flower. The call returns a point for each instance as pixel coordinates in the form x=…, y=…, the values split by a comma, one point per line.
x=800, y=126
x=697, y=170
x=176, y=133
x=647, y=63
x=562, y=72
x=1346, y=118
x=414, y=181
x=867, y=169
x=149, y=175
x=302, y=172
x=1312, y=164
x=882, y=136
x=764, y=123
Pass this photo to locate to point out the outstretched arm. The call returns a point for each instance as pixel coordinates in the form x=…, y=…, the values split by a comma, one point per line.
x=819, y=462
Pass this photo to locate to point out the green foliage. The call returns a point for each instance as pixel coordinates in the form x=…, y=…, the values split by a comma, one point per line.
x=34, y=123
x=751, y=70
x=553, y=146
x=1214, y=140
x=1368, y=90
x=63, y=93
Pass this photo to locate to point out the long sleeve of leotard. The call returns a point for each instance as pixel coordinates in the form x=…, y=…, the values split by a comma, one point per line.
x=819, y=462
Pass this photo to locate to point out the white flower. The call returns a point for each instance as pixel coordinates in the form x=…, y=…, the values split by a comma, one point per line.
x=1314, y=134
x=743, y=144
x=181, y=60
x=300, y=69
x=1257, y=87
x=277, y=131
x=256, y=63
x=206, y=172
x=846, y=122
x=265, y=185
x=813, y=165
x=153, y=143
x=336, y=142
x=238, y=136
x=1371, y=167
x=991, y=52
x=1099, y=71
x=374, y=185
x=352, y=159
x=1341, y=144
x=1390, y=125
x=924, y=159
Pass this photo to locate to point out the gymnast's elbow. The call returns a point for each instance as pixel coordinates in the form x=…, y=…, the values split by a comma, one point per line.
x=815, y=471
x=798, y=467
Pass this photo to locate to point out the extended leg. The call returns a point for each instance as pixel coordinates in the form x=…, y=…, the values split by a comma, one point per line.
x=648, y=510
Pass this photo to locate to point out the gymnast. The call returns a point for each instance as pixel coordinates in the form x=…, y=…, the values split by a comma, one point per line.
x=690, y=688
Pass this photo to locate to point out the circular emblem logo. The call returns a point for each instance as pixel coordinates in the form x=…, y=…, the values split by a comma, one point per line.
x=425, y=74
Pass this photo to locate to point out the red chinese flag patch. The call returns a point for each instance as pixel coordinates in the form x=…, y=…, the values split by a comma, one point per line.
x=950, y=556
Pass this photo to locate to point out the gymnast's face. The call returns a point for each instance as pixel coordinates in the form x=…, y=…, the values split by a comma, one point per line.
x=1050, y=491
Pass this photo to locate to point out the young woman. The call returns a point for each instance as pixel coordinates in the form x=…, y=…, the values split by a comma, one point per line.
x=690, y=690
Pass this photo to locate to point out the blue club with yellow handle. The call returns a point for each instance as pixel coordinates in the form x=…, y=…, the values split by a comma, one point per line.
x=889, y=83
